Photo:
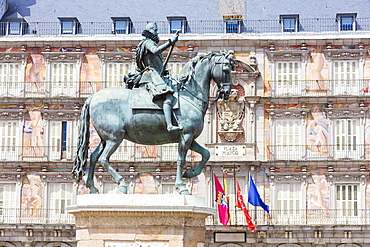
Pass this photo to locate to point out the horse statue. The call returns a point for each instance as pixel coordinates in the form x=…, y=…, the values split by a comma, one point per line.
x=114, y=119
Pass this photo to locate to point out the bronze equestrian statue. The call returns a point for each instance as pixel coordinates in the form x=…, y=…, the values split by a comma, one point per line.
x=115, y=114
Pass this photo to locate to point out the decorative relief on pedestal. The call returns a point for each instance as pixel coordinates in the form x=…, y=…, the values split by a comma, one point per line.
x=230, y=114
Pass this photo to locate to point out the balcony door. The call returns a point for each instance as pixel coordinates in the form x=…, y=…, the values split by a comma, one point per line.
x=287, y=78
x=60, y=139
x=60, y=196
x=116, y=72
x=9, y=140
x=347, y=203
x=11, y=81
x=63, y=82
x=288, y=143
x=345, y=80
x=346, y=143
x=288, y=203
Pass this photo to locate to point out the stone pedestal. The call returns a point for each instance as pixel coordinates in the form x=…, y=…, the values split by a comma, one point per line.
x=106, y=220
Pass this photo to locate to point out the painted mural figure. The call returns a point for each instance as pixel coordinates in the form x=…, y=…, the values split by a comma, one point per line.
x=157, y=81
x=318, y=131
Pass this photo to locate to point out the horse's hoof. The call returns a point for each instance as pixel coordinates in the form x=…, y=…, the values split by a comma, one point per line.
x=182, y=191
x=189, y=173
x=123, y=189
x=94, y=191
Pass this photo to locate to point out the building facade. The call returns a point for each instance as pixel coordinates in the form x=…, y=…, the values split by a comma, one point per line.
x=297, y=120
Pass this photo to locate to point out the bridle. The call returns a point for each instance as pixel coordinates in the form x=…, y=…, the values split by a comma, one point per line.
x=226, y=68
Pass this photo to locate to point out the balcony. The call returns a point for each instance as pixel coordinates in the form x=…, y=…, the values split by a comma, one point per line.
x=304, y=217
x=44, y=89
x=36, y=216
x=319, y=88
x=318, y=152
x=307, y=26
x=124, y=153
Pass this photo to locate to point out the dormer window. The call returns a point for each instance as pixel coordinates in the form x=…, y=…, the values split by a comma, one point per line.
x=121, y=25
x=16, y=27
x=177, y=24
x=289, y=23
x=69, y=25
x=233, y=23
x=346, y=22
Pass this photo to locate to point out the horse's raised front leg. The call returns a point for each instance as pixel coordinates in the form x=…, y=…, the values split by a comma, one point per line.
x=184, y=144
x=93, y=159
x=109, y=149
x=190, y=173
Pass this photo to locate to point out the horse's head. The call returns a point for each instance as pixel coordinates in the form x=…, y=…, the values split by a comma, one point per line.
x=221, y=74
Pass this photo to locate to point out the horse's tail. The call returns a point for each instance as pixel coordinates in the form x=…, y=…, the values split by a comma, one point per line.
x=80, y=163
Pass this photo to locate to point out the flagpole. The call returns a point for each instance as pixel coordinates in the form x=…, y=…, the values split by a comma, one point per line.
x=235, y=215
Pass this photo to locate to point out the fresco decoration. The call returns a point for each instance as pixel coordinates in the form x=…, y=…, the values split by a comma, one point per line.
x=91, y=73
x=145, y=184
x=31, y=199
x=317, y=71
x=317, y=132
x=35, y=74
x=33, y=132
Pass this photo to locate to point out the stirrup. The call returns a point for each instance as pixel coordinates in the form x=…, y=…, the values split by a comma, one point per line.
x=173, y=128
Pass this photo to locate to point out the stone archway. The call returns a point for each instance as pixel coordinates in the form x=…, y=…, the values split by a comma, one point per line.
x=7, y=244
x=56, y=244
x=230, y=245
x=289, y=245
x=349, y=245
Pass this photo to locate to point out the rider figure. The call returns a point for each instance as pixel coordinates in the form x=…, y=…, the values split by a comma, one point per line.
x=149, y=54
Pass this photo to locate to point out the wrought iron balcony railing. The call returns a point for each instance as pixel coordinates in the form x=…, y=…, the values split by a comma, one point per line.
x=46, y=89
x=314, y=88
x=124, y=153
x=250, y=27
x=36, y=216
x=303, y=217
x=319, y=152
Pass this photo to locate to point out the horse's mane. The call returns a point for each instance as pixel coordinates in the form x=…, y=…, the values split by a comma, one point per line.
x=190, y=66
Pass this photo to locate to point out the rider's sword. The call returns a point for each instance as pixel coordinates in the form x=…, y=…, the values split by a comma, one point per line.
x=168, y=55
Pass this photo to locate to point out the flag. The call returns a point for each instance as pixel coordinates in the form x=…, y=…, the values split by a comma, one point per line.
x=222, y=203
x=254, y=197
x=240, y=204
x=226, y=189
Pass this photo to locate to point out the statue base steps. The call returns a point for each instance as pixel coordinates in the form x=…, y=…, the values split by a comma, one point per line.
x=109, y=220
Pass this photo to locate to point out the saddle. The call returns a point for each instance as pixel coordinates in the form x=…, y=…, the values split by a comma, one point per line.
x=141, y=98
x=150, y=90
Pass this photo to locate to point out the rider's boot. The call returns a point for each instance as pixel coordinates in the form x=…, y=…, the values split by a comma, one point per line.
x=167, y=110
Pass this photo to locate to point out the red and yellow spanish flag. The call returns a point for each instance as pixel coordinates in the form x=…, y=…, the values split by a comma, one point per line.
x=240, y=204
x=222, y=202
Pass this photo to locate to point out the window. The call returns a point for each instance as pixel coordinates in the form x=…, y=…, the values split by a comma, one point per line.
x=9, y=144
x=347, y=201
x=345, y=75
x=289, y=23
x=60, y=139
x=115, y=73
x=10, y=79
x=69, y=25
x=288, y=139
x=287, y=76
x=60, y=196
x=175, y=68
x=14, y=28
x=232, y=26
x=63, y=81
x=288, y=203
x=111, y=188
x=177, y=24
x=121, y=25
x=347, y=22
x=7, y=201
x=346, y=142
